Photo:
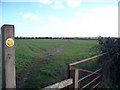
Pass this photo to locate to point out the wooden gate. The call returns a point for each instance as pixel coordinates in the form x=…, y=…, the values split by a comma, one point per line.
x=75, y=73
x=74, y=82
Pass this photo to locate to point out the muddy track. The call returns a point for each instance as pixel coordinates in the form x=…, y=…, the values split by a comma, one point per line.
x=46, y=56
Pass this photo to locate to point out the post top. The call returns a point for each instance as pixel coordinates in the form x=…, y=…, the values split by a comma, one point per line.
x=7, y=25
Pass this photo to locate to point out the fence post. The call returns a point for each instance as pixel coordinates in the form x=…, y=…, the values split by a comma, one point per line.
x=76, y=79
x=73, y=73
x=70, y=75
x=8, y=57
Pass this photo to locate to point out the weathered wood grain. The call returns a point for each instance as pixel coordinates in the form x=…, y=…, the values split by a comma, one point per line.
x=8, y=57
x=59, y=85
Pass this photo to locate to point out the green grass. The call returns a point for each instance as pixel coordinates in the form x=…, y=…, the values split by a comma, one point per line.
x=55, y=68
x=27, y=51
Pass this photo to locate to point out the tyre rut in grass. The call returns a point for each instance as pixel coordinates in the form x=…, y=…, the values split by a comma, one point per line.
x=23, y=78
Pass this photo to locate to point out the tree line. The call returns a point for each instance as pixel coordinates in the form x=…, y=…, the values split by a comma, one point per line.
x=78, y=38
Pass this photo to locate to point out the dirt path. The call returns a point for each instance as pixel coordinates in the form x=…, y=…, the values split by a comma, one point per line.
x=47, y=55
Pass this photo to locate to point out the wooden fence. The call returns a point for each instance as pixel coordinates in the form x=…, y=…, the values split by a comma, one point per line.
x=76, y=72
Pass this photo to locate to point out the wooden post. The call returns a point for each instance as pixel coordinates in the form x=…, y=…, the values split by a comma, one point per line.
x=76, y=79
x=70, y=75
x=8, y=57
x=73, y=73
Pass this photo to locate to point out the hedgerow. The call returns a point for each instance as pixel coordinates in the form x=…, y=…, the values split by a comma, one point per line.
x=111, y=61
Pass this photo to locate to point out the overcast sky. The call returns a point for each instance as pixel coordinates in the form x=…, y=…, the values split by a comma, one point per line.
x=61, y=18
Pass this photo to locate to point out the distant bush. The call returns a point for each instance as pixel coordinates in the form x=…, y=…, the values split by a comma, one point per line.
x=111, y=62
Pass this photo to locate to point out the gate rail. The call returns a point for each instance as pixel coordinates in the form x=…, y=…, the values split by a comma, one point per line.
x=74, y=73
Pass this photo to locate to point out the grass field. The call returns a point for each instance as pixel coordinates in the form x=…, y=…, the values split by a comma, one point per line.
x=53, y=68
x=28, y=50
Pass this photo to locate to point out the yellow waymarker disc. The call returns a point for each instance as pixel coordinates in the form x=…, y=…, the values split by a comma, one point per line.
x=9, y=42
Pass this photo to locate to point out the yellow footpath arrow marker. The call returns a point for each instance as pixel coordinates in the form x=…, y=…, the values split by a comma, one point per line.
x=9, y=42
